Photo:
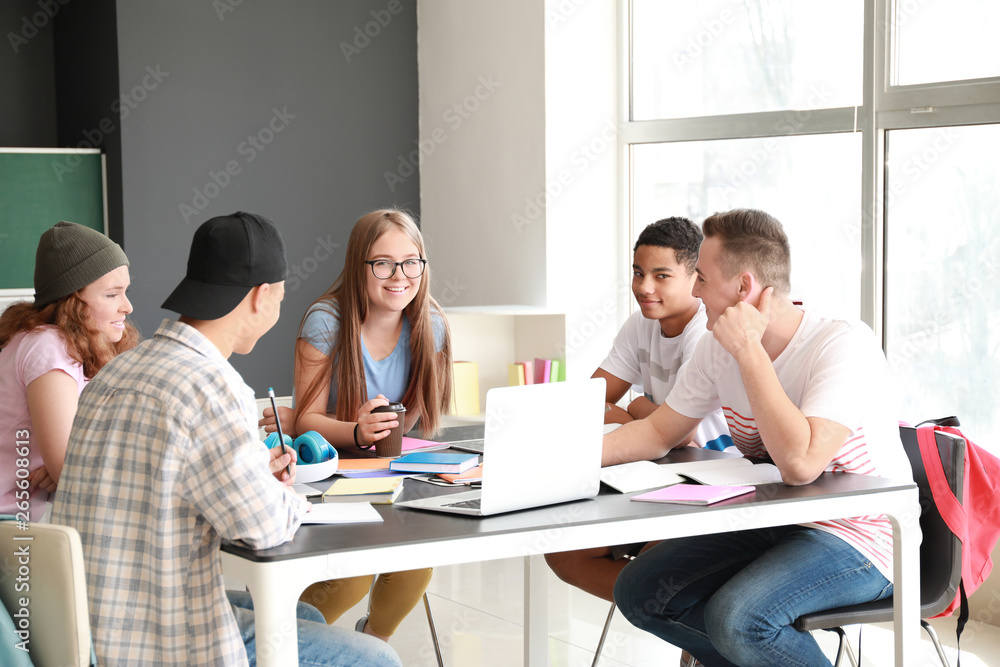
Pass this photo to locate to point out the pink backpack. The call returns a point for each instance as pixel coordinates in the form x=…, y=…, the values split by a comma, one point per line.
x=975, y=520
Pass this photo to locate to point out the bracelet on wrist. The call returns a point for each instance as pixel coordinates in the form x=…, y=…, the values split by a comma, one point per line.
x=356, y=443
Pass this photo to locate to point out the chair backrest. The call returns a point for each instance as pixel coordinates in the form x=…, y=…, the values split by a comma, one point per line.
x=59, y=630
x=281, y=401
x=940, y=549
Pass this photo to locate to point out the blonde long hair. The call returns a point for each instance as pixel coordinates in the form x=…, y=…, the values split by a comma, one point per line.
x=429, y=388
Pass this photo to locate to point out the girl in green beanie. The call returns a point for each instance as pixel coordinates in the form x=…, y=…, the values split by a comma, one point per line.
x=49, y=350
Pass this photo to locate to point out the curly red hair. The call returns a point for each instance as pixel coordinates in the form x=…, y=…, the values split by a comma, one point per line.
x=71, y=315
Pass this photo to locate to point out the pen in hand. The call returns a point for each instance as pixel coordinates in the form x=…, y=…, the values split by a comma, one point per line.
x=277, y=424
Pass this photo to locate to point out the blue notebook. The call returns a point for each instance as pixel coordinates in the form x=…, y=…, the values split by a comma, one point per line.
x=434, y=462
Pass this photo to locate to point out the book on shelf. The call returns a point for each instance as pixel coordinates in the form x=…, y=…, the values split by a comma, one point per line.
x=556, y=370
x=378, y=490
x=693, y=494
x=536, y=371
x=515, y=375
x=436, y=462
x=465, y=388
x=543, y=369
x=529, y=371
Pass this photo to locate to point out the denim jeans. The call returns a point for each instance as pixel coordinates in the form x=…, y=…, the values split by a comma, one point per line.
x=731, y=598
x=320, y=645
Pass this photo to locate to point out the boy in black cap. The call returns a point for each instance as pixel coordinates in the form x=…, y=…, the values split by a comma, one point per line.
x=164, y=462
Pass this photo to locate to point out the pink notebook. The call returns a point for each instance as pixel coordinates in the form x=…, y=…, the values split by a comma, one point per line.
x=693, y=494
x=418, y=445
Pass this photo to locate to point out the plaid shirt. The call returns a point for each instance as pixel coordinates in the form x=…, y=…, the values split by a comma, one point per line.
x=164, y=462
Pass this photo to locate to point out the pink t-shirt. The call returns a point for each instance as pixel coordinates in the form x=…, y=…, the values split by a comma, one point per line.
x=27, y=357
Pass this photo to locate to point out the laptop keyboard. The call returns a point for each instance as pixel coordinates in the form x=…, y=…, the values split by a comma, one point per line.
x=473, y=504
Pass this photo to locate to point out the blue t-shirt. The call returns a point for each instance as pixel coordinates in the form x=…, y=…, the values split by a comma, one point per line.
x=390, y=376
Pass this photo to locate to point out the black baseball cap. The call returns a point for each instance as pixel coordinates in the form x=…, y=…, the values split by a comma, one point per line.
x=230, y=255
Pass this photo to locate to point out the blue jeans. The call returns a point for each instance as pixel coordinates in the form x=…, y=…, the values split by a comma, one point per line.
x=731, y=599
x=320, y=645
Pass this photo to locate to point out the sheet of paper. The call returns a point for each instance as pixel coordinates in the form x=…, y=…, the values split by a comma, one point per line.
x=638, y=476
x=342, y=513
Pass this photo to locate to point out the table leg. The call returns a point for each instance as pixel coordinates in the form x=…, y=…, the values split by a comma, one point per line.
x=274, y=603
x=536, y=612
x=906, y=591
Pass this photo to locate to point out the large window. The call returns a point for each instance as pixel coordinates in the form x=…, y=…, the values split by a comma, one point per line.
x=808, y=182
x=946, y=40
x=886, y=179
x=942, y=319
x=723, y=57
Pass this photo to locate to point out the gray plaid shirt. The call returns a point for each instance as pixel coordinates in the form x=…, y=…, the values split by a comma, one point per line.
x=164, y=462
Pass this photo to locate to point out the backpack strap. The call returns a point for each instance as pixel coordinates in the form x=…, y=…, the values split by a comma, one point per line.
x=947, y=504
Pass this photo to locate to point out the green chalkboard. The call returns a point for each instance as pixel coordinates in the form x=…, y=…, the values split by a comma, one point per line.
x=37, y=190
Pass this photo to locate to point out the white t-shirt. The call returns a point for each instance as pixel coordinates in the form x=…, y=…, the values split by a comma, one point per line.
x=832, y=369
x=642, y=356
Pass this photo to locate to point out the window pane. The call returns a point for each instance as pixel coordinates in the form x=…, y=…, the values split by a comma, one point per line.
x=722, y=57
x=810, y=183
x=946, y=40
x=942, y=268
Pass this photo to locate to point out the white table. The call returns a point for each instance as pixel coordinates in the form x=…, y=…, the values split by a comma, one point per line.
x=412, y=539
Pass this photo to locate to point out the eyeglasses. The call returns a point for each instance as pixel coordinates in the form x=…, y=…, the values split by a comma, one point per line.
x=383, y=269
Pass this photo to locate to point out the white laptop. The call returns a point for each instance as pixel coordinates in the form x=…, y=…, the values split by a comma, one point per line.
x=541, y=446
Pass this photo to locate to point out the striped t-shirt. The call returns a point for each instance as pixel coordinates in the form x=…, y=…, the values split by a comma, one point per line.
x=831, y=369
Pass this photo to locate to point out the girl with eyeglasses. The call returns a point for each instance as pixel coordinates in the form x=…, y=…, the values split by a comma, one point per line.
x=375, y=337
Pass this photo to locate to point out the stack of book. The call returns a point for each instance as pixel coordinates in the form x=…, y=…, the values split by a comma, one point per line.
x=536, y=371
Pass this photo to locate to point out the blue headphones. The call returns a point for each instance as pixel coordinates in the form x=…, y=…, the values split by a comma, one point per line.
x=311, y=447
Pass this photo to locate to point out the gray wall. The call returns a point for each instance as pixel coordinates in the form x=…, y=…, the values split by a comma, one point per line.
x=257, y=109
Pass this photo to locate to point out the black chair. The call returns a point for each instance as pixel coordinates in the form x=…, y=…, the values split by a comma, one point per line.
x=940, y=554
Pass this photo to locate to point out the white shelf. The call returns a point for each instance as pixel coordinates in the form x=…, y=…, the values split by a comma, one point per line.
x=495, y=336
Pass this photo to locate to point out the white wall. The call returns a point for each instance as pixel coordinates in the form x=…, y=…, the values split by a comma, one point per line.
x=482, y=138
x=585, y=278
x=518, y=193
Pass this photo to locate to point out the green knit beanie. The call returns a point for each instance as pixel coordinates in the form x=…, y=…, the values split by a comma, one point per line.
x=70, y=257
